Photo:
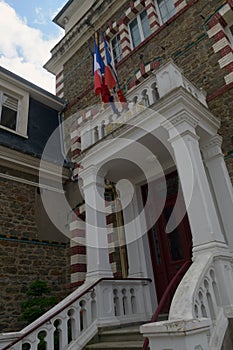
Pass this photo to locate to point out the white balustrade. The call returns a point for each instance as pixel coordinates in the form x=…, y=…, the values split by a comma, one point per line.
x=99, y=122
x=110, y=301
x=198, y=311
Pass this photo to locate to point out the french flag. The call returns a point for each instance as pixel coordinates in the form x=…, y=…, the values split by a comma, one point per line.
x=98, y=69
x=109, y=74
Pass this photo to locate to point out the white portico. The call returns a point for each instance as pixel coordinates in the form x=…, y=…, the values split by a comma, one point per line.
x=161, y=161
x=175, y=131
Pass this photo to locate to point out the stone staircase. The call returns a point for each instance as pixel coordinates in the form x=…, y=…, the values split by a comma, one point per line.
x=127, y=337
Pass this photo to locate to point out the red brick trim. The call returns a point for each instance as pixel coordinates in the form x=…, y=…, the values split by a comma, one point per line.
x=177, y=3
x=220, y=35
x=78, y=268
x=59, y=75
x=219, y=92
x=79, y=249
x=59, y=92
x=229, y=68
x=226, y=50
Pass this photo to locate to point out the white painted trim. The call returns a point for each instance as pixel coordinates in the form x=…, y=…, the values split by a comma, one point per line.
x=214, y=30
x=224, y=61
x=30, y=183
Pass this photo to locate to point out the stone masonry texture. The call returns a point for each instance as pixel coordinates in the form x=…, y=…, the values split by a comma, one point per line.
x=183, y=39
x=21, y=263
x=23, y=258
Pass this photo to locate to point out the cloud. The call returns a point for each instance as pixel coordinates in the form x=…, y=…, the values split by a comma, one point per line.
x=41, y=18
x=23, y=50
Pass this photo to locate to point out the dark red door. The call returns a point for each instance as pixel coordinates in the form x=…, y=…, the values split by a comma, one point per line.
x=169, y=251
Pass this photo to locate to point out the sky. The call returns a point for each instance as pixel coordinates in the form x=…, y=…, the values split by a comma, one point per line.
x=27, y=35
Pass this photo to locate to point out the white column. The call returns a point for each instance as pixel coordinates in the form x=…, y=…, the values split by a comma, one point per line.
x=214, y=160
x=203, y=218
x=98, y=265
x=132, y=234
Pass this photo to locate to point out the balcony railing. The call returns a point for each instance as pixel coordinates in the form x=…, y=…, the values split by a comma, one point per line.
x=91, y=126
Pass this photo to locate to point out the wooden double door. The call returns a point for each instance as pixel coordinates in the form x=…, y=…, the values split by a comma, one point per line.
x=169, y=251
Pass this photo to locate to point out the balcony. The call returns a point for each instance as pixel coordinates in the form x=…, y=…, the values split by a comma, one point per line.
x=95, y=124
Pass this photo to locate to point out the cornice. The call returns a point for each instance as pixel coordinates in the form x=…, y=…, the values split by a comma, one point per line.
x=80, y=34
x=30, y=165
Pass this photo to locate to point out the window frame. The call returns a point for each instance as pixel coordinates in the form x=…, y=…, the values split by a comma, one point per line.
x=22, y=111
x=116, y=60
x=140, y=28
x=159, y=12
x=2, y=94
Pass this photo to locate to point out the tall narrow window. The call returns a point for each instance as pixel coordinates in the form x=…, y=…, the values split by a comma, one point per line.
x=9, y=111
x=166, y=9
x=116, y=48
x=139, y=29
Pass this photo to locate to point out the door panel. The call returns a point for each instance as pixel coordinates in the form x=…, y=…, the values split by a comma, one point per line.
x=169, y=251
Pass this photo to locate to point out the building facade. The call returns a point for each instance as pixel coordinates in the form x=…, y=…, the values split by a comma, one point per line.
x=153, y=196
x=31, y=247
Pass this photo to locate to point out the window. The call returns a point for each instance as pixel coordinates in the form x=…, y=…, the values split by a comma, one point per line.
x=14, y=104
x=139, y=29
x=9, y=111
x=116, y=48
x=166, y=9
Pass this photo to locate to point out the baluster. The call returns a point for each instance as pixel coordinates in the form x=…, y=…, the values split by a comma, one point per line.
x=93, y=306
x=102, y=129
x=116, y=302
x=56, y=335
x=209, y=300
x=95, y=134
x=74, y=324
x=50, y=335
x=42, y=340
x=63, y=332
x=88, y=311
x=70, y=327
x=124, y=301
x=83, y=316
x=203, y=303
x=145, y=98
x=155, y=93
x=215, y=288
x=133, y=301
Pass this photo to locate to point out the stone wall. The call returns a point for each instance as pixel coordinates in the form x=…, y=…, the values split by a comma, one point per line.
x=185, y=40
x=22, y=262
x=17, y=209
x=24, y=254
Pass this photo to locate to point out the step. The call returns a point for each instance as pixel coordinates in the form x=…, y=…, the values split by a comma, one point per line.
x=121, y=334
x=132, y=345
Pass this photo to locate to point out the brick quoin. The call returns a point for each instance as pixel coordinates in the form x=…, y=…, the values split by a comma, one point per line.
x=226, y=50
x=229, y=68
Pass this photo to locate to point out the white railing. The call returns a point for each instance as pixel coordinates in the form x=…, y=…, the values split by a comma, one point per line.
x=201, y=298
x=98, y=122
x=72, y=323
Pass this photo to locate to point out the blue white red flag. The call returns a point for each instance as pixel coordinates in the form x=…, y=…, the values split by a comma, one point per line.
x=98, y=69
x=110, y=74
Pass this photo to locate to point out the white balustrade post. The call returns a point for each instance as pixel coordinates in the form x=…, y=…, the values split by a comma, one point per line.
x=98, y=264
x=86, y=135
x=214, y=160
x=203, y=218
